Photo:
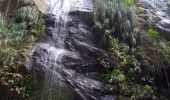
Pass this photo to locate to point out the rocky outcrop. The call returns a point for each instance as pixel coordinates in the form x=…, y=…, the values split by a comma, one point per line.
x=41, y=5
x=158, y=11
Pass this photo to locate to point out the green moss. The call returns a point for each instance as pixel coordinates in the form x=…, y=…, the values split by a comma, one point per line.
x=153, y=34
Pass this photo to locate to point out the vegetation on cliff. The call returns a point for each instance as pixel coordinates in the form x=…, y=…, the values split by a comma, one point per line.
x=139, y=60
x=21, y=25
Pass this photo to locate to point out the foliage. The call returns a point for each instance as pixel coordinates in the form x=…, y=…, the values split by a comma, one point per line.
x=114, y=20
x=16, y=38
x=135, y=91
x=126, y=1
x=128, y=67
x=165, y=49
x=129, y=1
x=14, y=85
x=153, y=34
x=133, y=67
x=147, y=89
x=20, y=34
x=127, y=75
x=103, y=33
x=103, y=62
x=168, y=43
x=115, y=76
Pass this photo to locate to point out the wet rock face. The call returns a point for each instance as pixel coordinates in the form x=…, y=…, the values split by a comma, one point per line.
x=41, y=5
x=68, y=51
x=158, y=10
x=81, y=5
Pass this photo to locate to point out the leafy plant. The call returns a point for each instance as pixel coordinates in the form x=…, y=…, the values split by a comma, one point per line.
x=147, y=89
x=15, y=84
x=115, y=76
x=153, y=34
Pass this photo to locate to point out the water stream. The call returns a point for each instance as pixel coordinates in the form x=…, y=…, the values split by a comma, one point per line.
x=66, y=57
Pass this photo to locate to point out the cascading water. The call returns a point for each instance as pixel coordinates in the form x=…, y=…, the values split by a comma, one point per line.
x=60, y=10
x=53, y=79
x=66, y=57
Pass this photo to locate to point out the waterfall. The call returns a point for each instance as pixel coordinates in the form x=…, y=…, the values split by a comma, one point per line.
x=66, y=57
x=59, y=8
x=53, y=78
